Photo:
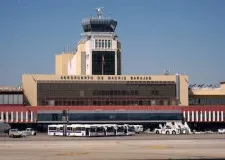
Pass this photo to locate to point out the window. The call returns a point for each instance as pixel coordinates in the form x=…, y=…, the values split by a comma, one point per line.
x=96, y=43
x=106, y=46
x=103, y=44
x=109, y=45
x=100, y=43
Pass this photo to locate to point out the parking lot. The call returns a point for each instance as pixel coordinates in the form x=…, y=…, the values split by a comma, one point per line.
x=143, y=146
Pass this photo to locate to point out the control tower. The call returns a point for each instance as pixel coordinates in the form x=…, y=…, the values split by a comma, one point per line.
x=99, y=50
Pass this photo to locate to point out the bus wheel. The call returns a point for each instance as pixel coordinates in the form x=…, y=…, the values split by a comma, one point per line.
x=157, y=132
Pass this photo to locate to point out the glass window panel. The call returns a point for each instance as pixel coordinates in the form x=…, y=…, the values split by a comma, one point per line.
x=6, y=98
x=15, y=99
x=10, y=99
x=106, y=45
x=20, y=99
x=1, y=99
x=96, y=43
x=100, y=43
x=103, y=44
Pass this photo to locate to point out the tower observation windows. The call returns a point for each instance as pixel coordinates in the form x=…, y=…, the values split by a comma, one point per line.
x=103, y=44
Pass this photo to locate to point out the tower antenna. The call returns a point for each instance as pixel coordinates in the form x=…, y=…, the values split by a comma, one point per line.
x=99, y=12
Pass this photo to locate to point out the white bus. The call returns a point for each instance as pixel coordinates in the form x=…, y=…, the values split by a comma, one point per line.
x=100, y=130
x=120, y=130
x=110, y=129
x=78, y=130
x=52, y=129
x=59, y=130
x=129, y=130
x=68, y=130
x=90, y=130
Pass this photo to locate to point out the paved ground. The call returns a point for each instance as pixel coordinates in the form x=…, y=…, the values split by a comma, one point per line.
x=141, y=147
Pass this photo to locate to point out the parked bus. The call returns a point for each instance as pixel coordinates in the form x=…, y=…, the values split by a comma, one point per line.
x=110, y=129
x=90, y=130
x=78, y=130
x=120, y=130
x=52, y=129
x=129, y=130
x=59, y=130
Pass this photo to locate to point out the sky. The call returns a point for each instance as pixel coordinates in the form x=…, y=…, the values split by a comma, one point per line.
x=183, y=36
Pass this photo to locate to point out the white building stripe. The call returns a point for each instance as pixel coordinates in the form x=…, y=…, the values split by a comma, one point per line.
x=196, y=116
x=192, y=116
x=214, y=116
x=200, y=116
x=2, y=116
x=7, y=116
x=12, y=116
x=188, y=116
x=205, y=117
x=17, y=116
x=222, y=116
x=184, y=114
x=21, y=117
x=218, y=116
x=26, y=116
x=209, y=116
x=31, y=116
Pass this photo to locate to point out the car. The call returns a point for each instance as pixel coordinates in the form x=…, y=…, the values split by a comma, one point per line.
x=15, y=133
x=30, y=132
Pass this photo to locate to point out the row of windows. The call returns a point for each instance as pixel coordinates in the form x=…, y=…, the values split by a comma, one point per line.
x=206, y=101
x=11, y=99
x=107, y=102
x=111, y=116
x=103, y=44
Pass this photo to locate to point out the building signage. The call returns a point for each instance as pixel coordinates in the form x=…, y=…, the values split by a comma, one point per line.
x=113, y=78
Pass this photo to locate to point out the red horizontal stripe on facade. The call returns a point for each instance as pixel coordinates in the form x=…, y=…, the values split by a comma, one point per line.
x=9, y=108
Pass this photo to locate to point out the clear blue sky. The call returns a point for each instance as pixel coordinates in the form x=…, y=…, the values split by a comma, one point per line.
x=184, y=36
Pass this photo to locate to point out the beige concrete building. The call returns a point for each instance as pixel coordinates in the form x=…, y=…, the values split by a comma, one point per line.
x=120, y=89
x=61, y=63
x=207, y=95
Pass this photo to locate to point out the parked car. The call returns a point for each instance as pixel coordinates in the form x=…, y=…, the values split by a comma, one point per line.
x=30, y=132
x=15, y=133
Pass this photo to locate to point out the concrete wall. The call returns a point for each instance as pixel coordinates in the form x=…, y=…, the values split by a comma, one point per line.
x=29, y=84
x=183, y=90
x=61, y=63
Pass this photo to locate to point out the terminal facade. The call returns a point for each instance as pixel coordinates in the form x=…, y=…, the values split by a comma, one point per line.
x=88, y=87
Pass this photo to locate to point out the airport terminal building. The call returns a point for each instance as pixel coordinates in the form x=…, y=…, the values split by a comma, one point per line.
x=88, y=87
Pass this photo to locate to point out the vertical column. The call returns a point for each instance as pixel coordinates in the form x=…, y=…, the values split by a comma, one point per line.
x=214, y=116
x=7, y=116
x=17, y=116
x=12, y=116
x=184, y=114
x=209, y=116
x=192, y=116
x=205, y=117
x=115, y=62
x=200, y=116
x=21, y=117
x=31, y=116
x=221, y=116
x=26, y=116
x=2, y=116
x=218, y=116
x=196, y=116
x=188, y=116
